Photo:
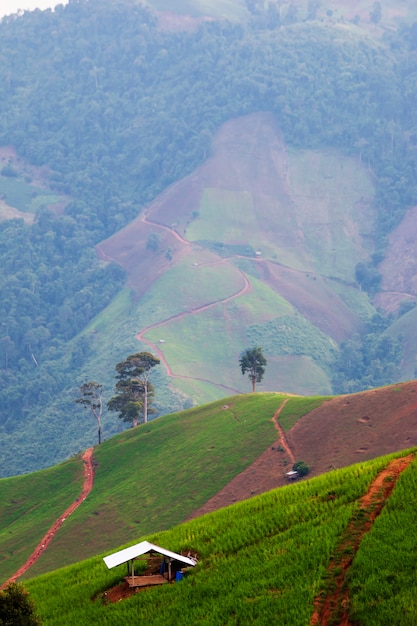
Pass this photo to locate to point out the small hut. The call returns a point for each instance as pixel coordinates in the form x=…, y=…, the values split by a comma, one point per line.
x=163, y=565
x=292, y=475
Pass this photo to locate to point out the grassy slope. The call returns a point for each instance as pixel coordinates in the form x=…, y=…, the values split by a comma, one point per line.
x=220, y=332
x=259, y=559
x=153, y=477
x=330, y=204
x=29, y=505
x=335, y=229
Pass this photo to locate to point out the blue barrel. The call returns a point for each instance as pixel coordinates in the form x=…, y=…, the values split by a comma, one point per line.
x=179, y=576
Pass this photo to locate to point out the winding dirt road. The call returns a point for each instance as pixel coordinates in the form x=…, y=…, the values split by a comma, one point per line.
x=244, y=289
x=170, y=230
x=45, y=541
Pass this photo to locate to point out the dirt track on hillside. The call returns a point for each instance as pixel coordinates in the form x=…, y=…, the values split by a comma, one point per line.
x=349, y=429
x=195, y=311
x=342, y=431
x=266, y=473
x=333, y=608
x=46, y=540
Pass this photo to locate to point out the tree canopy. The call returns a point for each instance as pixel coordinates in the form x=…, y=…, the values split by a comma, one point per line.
x=253, y=362
x=135, y=392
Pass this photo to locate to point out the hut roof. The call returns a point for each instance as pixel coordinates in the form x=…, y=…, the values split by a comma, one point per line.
x=142, y=548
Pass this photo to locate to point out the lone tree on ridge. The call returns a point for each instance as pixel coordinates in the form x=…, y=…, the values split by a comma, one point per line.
x=134, y=390
x=253, y=362
x=91, y=398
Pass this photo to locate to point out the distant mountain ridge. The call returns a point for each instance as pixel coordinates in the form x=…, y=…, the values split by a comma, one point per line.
x=118, y=111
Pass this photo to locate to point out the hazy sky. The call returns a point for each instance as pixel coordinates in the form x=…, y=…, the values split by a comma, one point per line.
x=12, y=6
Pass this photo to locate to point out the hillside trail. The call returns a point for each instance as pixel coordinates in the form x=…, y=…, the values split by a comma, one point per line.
x=283, y=440
x=170, y=230
x=46, y=540
x=333, y=608
x=264, y=474
x=194, y=311
x=246, y=288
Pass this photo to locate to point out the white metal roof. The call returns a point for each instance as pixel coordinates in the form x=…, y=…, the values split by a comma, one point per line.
x=142, y=548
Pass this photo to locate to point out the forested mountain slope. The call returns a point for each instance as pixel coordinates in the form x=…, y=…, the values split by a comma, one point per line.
x=114, y=109
x=256, y=223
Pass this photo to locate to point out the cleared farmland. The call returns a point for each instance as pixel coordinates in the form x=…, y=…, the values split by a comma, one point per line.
x=260, y=560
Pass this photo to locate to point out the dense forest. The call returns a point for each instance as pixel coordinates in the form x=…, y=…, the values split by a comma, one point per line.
x=117, y=109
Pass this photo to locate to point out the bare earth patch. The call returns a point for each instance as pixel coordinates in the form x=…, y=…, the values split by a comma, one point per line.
x=357, y=427
x=399, y=267
x=343, y=431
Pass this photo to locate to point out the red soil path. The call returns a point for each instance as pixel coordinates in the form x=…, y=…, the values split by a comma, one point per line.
x=45, y=541
x=167, y=228
x=334, y=607
x=283, y=440
x=266, y=473
x=246, y=287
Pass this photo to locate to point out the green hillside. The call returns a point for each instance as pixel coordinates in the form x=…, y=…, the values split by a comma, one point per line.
x=146, y=479
x=29, y=505
x=270, y=559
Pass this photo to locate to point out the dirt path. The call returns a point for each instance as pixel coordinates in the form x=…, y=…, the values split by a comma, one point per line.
x=171, y=230
x=283, y=440
x=244, y=289
x=262, y=475
x=45, y=541
x=333, y=608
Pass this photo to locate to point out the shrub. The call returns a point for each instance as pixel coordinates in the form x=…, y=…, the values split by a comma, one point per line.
x=301, y=468
x=16, y=607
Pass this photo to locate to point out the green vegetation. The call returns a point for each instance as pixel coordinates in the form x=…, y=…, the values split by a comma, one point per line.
x=28, y=507
x=135, y=392
x=26, y=197
x=403, y=330
x=231, y=212
x=293, y=334
x=301, y=468
x=381, y=574
x=260, y=558
x=253, y=363
x=368, y=360
x=189, y=286
x=16, y=607
x=146, y=479
x=108, y=104
x=338, y=185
